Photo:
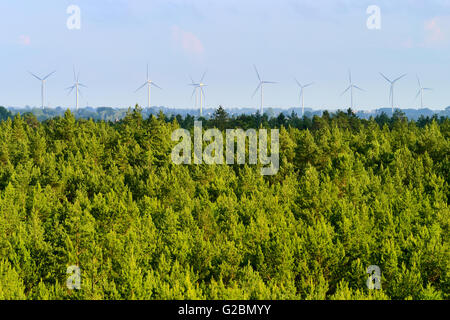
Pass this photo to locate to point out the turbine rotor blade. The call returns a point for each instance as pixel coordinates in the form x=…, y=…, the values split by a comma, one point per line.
x=399, y=78
x=257, y=88
x=299, y=84
x=140, y=87
x=358, y=88
x=154, y=84
x=257, y=73
x=345, y=91
x=82, y=85
x=48, y=75
x=417, y=95
x=308, y=85
x=203, y=76
x=71, y=89
x=35, y=76
x=386, y=78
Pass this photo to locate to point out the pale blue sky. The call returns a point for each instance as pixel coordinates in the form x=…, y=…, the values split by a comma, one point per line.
x=308, y=39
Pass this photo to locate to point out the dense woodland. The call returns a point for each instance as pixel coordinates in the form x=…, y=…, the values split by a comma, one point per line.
x=106, y=197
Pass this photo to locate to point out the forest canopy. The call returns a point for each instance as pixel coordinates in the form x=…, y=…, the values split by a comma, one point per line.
x=106, y=197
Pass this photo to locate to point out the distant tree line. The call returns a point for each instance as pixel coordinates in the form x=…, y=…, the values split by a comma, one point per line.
x=220, y=119
x=308, y=121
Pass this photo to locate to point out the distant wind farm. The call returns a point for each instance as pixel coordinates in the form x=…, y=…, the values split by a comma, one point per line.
x=198, y=92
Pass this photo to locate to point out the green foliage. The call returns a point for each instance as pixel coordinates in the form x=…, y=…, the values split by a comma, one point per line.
x=106, y=197
x=4, y=113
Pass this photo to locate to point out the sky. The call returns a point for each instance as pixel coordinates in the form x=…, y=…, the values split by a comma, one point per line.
x=313, y=41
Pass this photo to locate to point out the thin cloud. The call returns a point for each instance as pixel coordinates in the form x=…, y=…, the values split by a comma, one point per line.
x=24, y=40
x=408, y=43
x=187, y=41
x=437, y=30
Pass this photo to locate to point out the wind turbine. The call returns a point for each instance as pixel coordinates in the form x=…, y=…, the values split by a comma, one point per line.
x=421, y=90
x=302, y=94
x=76, y=86
x=261, y=85
x=199, y=87
x=42, y=84
x=148, y=83
x=351, y=87
x=391, y=91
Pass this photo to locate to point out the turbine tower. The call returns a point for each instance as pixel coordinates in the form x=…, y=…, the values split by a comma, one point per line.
x=351, y=87
x=261, y=85
x=76, y=86
x=391, y=90
x=421, y=90
x=199, y=87
x=195, y=85
x=42, y=85
x=148, y=83
x=302, y=94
